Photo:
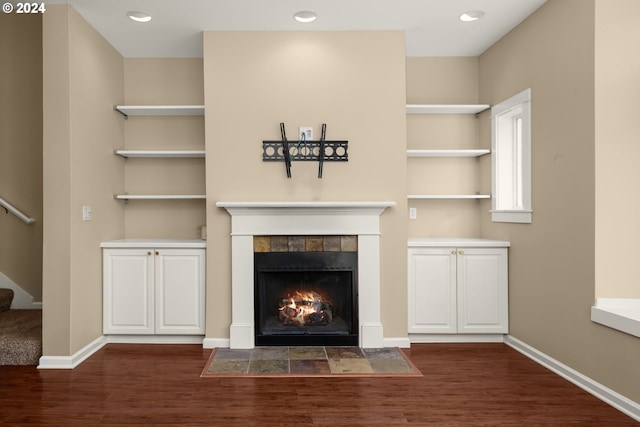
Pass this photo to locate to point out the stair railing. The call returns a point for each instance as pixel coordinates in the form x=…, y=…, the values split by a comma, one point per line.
x=10, y=208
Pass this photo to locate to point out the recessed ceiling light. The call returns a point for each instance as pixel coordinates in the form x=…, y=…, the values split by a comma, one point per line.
x=139, y=16
x=472, y=15
x=305, y=16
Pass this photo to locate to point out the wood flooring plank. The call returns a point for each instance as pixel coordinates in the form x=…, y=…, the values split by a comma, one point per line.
x=463, y=385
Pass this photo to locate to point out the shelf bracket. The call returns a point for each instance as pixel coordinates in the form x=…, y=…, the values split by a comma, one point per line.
x=125, y=201
x=126, y=116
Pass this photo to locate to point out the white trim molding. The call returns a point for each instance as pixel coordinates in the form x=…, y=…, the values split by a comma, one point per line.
x=215, y=343
x=400, y=342
x=618, y=401
x=154, y=339
x=70, y=362
x=622, y=314
x=522, y=217
x=455, y=338
x=511, y=159
x=255, y=218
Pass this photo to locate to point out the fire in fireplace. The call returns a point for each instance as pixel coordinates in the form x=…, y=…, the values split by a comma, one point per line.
x=306, y=298
x=308, y=308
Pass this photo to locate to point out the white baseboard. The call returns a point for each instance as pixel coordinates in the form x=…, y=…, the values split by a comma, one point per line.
x=401, y=342
x=455, y=338
x=618, y=401
x=70, y=362
x=216, y=343
x=21, y=298
x=154, y=339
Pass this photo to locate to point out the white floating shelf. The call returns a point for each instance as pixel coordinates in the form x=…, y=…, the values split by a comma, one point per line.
x=448, y=153
x=447, y=196
x=446, y=108
x=160, y=196
x=160, y=110
x=154, y=154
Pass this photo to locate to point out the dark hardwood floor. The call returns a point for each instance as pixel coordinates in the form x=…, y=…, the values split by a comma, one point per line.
x=463, y=385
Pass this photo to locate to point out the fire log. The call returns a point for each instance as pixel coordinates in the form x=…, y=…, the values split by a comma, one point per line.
x=305, y=312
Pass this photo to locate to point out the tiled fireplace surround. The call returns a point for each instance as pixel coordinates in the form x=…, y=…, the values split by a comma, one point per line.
x=250, y=219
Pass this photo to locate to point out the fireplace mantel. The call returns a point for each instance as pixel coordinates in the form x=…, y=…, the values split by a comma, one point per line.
x=343, y=206
x=254, y=218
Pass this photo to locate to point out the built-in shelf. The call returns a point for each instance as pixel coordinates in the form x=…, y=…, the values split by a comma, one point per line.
x=447, y=196
x=155, y=154
x=446, y=108
x=160, y=110
x=160, y=196
x=448, y=153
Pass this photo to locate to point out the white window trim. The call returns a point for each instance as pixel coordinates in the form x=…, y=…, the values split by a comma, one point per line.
x=521, y=214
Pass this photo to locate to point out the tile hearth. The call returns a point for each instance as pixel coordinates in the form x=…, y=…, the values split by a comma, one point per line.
x=314, y=360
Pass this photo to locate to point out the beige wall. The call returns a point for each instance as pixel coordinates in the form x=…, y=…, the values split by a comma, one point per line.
x=83, y=79
x=443, y=81
x=353, y=82
x=157, y=81
x=21, y=148
x=617, y=78
x=552, y=274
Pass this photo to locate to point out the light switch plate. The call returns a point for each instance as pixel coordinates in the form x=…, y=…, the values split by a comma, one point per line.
x=86, y=213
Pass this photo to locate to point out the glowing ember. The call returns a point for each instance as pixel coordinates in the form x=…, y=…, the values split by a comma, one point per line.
x=305, y=308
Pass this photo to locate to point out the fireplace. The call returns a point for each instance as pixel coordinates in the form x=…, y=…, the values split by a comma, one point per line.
x=306, y=297
x=257, y=218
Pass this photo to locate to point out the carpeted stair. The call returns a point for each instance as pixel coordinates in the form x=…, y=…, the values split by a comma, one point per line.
x=20, y=333
x=6, y=298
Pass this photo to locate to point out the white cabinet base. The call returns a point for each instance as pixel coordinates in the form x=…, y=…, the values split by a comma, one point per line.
x=154, y=290
x=457, y=288
x=455, y=338
x=154, y=339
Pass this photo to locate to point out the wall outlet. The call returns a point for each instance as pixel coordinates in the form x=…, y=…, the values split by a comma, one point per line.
x=86, y=213
x=413, y=213
x=307, y=131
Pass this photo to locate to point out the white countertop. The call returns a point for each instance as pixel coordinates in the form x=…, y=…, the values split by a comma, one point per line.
x=457, y=242
x=155, y=243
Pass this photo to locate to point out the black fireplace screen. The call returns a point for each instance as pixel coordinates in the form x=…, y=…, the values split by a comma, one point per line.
x=307, y=298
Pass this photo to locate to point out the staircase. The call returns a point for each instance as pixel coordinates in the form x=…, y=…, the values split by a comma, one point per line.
x=20, y=333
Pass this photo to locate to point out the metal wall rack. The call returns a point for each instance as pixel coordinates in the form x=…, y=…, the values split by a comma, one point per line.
x=334, y=151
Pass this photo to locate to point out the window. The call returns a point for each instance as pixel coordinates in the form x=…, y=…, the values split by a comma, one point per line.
x=511, y=159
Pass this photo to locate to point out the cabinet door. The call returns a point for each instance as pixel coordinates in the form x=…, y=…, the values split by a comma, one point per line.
x=180, y=287
x=128, y=291
x=432, y=290
x=483, y=290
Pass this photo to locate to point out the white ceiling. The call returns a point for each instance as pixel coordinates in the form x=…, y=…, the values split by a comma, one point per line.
x=432, y=27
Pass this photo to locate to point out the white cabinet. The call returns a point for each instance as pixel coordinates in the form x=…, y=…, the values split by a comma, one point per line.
x=154, y=290
x=459, y=287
